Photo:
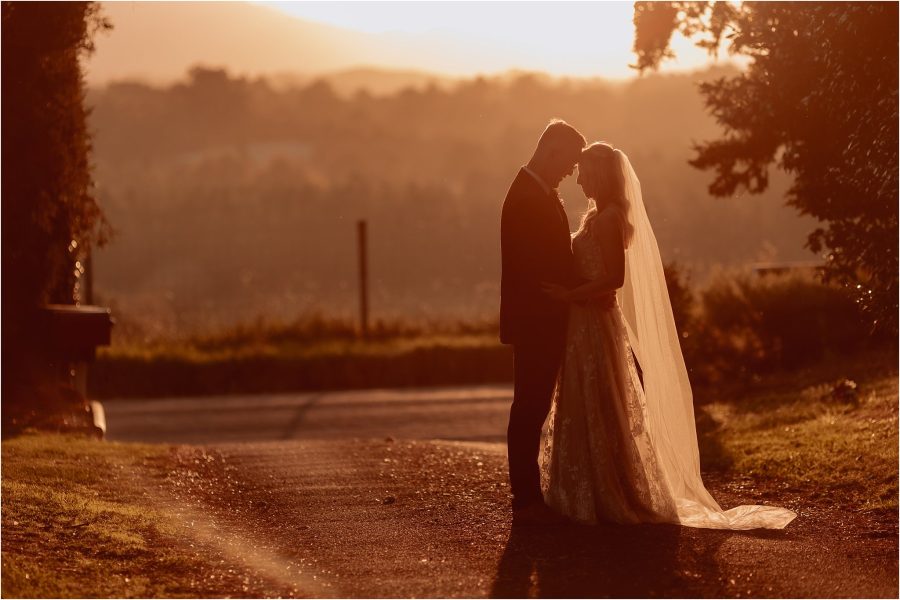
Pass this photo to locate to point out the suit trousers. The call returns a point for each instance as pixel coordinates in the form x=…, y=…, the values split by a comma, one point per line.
x=537, y=362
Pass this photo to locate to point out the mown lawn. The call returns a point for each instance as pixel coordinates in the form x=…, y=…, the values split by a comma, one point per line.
x=796, y=430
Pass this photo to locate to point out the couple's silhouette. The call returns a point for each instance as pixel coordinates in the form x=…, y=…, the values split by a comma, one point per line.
x=595, y=347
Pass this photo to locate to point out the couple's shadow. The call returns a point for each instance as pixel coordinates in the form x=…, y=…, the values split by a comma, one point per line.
x=638, y=561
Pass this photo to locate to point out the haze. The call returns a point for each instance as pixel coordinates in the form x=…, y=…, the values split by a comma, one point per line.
x=159, y=41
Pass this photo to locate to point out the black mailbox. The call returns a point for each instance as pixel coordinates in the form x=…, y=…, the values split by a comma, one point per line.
x=71, y=335
x=51, y=390
x=74, y=332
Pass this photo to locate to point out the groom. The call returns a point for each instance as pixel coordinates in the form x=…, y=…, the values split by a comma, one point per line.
x=535, y=248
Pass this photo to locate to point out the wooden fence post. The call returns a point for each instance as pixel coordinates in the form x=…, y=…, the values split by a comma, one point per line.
x=363, y=278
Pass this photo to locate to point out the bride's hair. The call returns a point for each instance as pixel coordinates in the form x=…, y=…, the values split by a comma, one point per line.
x=603, y=179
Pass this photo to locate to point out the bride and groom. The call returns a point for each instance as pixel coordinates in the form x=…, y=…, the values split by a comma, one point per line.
x=595, y=347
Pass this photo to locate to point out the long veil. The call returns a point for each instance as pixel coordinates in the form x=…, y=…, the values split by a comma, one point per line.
x=645, y=304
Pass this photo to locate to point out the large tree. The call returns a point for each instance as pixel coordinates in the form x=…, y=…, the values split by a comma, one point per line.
x=49, y=213
x=818, y=99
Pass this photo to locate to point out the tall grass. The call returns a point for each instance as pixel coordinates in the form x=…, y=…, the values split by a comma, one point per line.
x=308, y=354
x=735, y=329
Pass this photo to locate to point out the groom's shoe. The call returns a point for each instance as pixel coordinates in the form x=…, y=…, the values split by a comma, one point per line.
x=538, y=514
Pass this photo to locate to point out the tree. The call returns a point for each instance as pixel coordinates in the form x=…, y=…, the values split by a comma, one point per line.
x=818, y=100
x=49, y=213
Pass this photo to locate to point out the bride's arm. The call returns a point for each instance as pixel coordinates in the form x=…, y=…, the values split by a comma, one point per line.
x=608, y=234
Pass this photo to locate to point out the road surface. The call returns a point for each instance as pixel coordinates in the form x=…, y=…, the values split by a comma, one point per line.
x=426, y=519
x=463, y=414
x=403, y=493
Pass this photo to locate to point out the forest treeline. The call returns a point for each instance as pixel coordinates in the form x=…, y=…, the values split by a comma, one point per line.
x=234, y=198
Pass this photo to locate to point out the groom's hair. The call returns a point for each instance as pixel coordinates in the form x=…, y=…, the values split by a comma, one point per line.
x=559, y=134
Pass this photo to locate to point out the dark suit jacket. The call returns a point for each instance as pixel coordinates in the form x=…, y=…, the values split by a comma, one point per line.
x=535, y=246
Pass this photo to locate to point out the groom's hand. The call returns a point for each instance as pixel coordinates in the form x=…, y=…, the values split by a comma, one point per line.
x=555, y=291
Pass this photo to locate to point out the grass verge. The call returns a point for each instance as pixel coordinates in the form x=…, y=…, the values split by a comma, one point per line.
x=807, y=435
x=79, y=521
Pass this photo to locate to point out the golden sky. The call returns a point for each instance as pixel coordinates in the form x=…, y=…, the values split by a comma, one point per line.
x=562, y=38
x=160, y=41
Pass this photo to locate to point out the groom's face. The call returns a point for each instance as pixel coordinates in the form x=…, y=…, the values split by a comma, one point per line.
x=563, y=165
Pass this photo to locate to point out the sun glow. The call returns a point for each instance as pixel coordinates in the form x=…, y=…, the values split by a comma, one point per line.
x=561, y=38
x=581, y=39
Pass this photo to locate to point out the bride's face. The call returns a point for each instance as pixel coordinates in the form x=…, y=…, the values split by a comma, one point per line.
x=582, y=179
x=591, y=178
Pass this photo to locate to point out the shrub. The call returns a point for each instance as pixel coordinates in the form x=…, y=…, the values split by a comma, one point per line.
x=750, y=324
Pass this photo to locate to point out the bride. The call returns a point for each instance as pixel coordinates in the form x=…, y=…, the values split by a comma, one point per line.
x=622, y=442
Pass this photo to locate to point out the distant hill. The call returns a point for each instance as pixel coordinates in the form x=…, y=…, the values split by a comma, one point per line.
x=234, y=198
x=374, y=80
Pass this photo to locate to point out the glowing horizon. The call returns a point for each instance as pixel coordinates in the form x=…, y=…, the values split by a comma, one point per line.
x=451, y=39
x=578, y=39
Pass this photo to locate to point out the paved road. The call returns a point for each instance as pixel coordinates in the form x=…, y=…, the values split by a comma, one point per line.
x=281, y=486
x=465, y=414
x=430, y=519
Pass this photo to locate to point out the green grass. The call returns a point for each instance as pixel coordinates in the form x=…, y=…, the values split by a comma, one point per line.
x=801, y=436
x=69, y=494
x=78, y=521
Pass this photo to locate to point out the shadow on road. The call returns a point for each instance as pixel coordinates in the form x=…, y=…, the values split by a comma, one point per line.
x=641, y=561
x=299, y=417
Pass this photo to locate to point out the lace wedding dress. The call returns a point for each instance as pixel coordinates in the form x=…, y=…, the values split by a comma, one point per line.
x=616, y=449
x=599, y=461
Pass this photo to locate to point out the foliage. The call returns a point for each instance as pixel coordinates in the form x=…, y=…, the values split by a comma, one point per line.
x=818, y=100
x=286, y=365
x=751, y=324
x=741, y=324
x=48, y=203
x=49, y=212
x=309, y=353
x=681, y=297
x=685, y=312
